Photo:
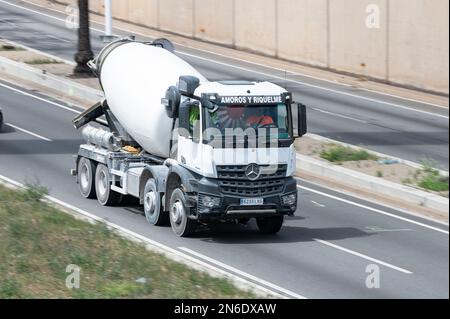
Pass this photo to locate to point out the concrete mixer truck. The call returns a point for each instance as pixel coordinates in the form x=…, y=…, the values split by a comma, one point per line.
x=189, y=150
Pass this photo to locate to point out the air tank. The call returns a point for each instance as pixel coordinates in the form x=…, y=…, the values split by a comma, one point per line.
x=134, y=77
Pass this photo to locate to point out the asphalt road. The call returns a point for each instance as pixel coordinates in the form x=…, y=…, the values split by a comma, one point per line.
x=323, y=252
x=402, y=128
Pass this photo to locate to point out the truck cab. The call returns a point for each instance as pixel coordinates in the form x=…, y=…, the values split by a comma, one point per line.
x=236, y=140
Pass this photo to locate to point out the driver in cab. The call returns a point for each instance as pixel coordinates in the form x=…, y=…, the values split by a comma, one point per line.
x=256, y=118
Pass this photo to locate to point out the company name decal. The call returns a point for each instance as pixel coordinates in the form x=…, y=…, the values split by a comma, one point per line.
x=267, y=99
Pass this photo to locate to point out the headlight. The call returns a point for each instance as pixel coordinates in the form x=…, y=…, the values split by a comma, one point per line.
x=289, y=200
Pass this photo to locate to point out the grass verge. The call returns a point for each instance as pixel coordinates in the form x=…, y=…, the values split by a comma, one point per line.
x=42, y=61
x=339, y=154
x=38, y=243
x=7, y=47
x=428, y=178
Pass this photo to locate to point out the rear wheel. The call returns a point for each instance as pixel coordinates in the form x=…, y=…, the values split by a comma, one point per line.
x=86, y=177
x=181, y=225
x=105, y=195
x=270, y=225
x=152, y=205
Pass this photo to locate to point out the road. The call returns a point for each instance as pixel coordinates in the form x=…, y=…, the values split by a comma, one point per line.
x=403, y=128
x=323, y=252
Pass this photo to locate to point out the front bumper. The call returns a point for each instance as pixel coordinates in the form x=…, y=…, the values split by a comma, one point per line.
x=227, y=206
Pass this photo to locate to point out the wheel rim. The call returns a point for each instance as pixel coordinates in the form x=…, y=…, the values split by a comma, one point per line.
x=102, y=184
x=85, y=176
x=150, y=202
x=177, y=212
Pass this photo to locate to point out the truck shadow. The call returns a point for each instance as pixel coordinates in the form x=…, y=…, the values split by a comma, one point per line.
x=38, y=147
x=249, y=234
x=229, y=233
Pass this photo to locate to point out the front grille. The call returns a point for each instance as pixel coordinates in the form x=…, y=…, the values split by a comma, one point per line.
x=233, y=181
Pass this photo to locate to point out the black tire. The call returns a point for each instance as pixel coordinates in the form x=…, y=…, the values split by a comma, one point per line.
x=86, y=177
x=182, y=226
x=270, y=225
x=105, y=195
x=1, y=120
x=152, y=205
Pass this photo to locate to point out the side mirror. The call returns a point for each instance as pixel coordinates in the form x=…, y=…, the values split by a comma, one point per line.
x=302, y=126
x=187, y=84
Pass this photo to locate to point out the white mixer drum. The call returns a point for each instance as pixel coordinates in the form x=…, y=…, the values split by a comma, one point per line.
x=135, y=76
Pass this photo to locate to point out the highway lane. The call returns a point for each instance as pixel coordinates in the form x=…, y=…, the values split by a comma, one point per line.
x=402, y=128
x=322, y=252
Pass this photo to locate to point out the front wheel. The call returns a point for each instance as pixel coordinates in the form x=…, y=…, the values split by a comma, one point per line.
x=105, y=195
x=270, y=225
x=152, y=205
x=181, y=225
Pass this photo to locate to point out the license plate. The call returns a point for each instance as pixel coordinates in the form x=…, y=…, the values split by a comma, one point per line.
x=252, y=201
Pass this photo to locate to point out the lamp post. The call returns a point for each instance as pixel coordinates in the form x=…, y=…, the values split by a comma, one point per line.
x=84, y=53
x=108, y=18
x=108, y=36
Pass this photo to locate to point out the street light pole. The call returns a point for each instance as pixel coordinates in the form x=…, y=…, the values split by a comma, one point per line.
x=108, y=18
x=84, y=53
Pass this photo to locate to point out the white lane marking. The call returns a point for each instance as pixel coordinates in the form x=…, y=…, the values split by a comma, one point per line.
x=317, y=204
x=339, y=115
x=132, y=235
x=243, y=274
x=380, y=262
x=258, y=72
x=39, y=98
x=29, y=133
x=373, y=209
x=377, y=229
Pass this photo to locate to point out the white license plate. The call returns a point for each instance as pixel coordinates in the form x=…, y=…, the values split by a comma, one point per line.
x=252, y=201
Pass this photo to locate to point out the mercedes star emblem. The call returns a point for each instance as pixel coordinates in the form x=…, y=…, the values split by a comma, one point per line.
x=252, y=171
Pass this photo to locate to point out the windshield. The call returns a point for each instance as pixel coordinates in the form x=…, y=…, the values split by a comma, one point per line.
x=241, y=122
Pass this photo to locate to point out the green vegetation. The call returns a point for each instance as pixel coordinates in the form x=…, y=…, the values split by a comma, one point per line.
x=429, y=178
x=339, y=154
x=379, y=174
x=42, y=61
x=434, y=182
x=7, y=47
x=38, y=242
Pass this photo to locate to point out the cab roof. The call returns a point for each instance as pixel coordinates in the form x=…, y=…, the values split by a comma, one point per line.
x=239, y=88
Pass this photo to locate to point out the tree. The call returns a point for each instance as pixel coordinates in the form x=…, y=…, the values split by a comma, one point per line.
x=84, y=53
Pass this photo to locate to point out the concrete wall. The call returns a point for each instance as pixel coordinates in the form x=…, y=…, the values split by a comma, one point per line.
x=419, y=43
x=353, y=46
x=213, y=21
x=308, y=20
x=402, y=41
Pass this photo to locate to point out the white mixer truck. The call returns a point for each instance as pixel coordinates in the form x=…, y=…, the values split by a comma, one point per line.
x=190, y=150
